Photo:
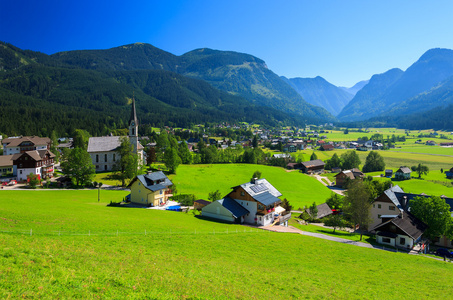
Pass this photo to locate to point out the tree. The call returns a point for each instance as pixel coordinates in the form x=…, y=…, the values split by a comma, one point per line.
x=357, y=205
x=213, y=196
x=256, y=174
x=334, y=162
x=171, y=159
x=255, y=142
x=421, y=170
x=313, y=210
x=77, y=164
x=151, y=155
x=33, y=180
x=335, y=201
x=374, y=162
x=127, y=164
x=335, y=221
x=350, y=160
x=313, y=156
x=184, y=153
x=435, y=213
x=80, y=139
x=286, y=205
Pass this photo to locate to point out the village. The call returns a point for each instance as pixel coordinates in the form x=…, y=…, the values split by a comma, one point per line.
x=28, y=161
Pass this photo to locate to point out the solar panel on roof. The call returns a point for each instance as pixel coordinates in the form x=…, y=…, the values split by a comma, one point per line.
x=258, y=188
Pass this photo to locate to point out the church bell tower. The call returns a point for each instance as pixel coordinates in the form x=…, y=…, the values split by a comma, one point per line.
x=133, y=127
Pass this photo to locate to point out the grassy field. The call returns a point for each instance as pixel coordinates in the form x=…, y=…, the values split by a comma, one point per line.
x=183, y=256
x=298, y=188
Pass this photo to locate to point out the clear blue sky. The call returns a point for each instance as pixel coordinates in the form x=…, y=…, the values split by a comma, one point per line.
x=342, y=41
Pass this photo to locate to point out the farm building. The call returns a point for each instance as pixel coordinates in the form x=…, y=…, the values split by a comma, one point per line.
x=225, y=209
x=313, y=166
x=345, y=175
x=403, y=173
x=323, y=211
x=152, y=189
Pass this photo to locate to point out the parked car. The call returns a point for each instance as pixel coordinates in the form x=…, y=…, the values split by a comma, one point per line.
x=444, y=252
x=12, y=182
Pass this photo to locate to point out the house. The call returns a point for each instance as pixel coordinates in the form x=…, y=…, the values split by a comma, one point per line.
x=313, y=166
x=403, y=173
x=343, y=176
x=324, y=210
x=290, y=147
x=199, y=204
x=388, y=173
x=152, y=189
x=431, y=143
x=104, y=150
x=255, y=202
x=6, y=165
x=394, y=201
x=38, y=162
x=282, y=155
x=327, y=147
x=226, y=209
x=294, y=166
x=23, y=144
x=449, y=173
x=401, y=231
x=336, y=170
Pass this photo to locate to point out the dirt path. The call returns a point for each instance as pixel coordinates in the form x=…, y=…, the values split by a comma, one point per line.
x=329, y=184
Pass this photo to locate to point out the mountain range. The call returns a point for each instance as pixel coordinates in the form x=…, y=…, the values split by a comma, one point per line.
x=92, y=90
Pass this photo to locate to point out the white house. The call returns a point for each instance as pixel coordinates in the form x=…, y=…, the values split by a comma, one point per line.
x=22, y=144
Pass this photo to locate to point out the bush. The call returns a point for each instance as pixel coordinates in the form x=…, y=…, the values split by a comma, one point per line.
x=185, y=199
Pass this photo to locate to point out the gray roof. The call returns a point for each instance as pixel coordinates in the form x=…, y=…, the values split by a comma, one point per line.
x=260, y=186
x=103, y=143
x=266, y=198
x=235, y=208
x=149, y=181
x=313, y=163
x=323, y=211
x=390, y=193
x=404, y=170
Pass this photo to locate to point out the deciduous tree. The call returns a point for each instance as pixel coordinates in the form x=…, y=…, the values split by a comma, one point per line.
x=127, y=164
x=77, y=164
x=357, y=205
x=374, y=162
x=420, y=170
x=350, y=160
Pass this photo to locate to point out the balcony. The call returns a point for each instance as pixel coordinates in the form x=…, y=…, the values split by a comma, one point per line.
x=281, y=219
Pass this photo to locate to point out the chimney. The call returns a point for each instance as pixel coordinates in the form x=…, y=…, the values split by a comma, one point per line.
x=404, y=202
x=253, y=180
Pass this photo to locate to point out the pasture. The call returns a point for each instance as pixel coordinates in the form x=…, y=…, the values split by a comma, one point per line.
x=298, y=188
x=183, y=256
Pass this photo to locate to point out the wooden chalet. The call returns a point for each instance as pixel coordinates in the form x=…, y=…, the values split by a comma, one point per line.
x=37, y=162
x=403, y=173
x=343, y=176
x=313, y=166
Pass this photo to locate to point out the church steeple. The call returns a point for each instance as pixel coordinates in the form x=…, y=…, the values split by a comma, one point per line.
x=133, y=127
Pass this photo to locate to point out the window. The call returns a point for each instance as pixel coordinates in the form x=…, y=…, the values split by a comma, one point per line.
x=114, y=158
x=105, y=167
x=391, y=207
x=386, y=240
x=97, y=167
x=105, y=157
x=160, y=192
x=378, y=206
x=379, y=216
x=97, y=158
x=242, y=193
x=20, y=171
x=402, y=241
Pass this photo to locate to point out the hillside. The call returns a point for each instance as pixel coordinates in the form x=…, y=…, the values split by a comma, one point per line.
x=368, y=100
x=236, y=73
x=77, y=247
x=320, y=92
x=393, y=92
x=36, y=89
x=355, y=88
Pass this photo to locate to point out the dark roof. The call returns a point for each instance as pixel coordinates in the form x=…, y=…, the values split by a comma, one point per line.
x=387, y=234
x=408, y=223
x=313, y=163
x=323, y=211
x=266, y=198
x=203, y=202
x=149, y=180
x=235, y=208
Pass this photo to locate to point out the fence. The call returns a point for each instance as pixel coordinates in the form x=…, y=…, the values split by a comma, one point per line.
x=31, y=232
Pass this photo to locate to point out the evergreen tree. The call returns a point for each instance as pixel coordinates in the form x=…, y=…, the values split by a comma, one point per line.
x=313, y=156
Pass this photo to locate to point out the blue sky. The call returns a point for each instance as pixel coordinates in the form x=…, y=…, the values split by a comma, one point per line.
x=342, y=41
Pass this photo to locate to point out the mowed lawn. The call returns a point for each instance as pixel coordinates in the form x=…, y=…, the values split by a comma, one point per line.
x=300, y=189
x=182, y=256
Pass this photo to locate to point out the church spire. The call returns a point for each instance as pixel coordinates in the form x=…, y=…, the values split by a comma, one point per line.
x=133, y=113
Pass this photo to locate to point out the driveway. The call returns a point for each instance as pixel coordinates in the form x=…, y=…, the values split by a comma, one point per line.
x=329, y=184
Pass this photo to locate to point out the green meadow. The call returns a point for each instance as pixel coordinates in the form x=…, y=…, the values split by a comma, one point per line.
x=298, y=188
x=80, y=248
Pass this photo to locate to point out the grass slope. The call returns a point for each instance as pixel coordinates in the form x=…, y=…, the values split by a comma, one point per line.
x=182, y=264
x=299, y=189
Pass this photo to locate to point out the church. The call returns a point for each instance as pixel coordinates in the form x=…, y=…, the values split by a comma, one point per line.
x=103, y=150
